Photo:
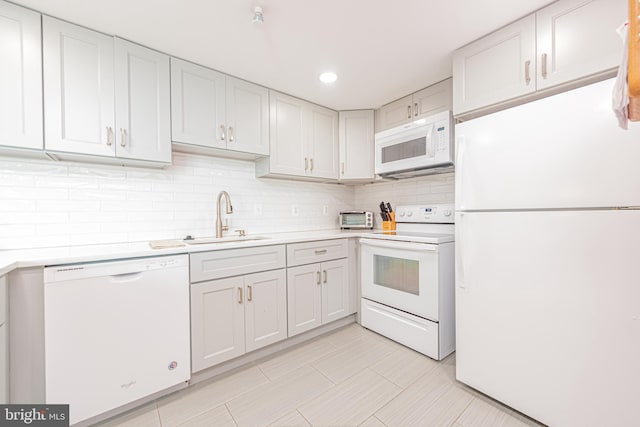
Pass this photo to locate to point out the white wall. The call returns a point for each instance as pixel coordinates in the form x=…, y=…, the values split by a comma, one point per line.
x=427, y=189
x=46, y=203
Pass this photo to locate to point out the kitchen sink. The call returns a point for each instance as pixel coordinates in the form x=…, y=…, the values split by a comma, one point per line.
x=209, y=240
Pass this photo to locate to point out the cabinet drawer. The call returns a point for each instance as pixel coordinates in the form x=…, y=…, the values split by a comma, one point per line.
x=310, y=252
x=235, y=262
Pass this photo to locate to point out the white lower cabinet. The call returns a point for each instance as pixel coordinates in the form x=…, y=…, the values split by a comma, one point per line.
x=236, y=315
x=317, y=294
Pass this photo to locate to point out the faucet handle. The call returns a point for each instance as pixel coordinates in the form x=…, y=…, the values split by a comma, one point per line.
x=225, y=227
x=241, y=232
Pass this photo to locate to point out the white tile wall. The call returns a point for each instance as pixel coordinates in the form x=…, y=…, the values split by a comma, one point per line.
x=426, y=189
x=45, y=203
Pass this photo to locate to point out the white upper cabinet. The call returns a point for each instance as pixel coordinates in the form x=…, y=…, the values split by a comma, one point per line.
x=395, y=113
x=428, y=101
x=576, y=38
x=78, y=89
x=356, y=145
x=561, y=43
x=20, y=77
x=210, y=109
x=323, y=147
x=104, y=97
x=197, y=105
x=247, y=117
x=143, y=116
x=495, y=68
x=303, y=140
x=288, y=152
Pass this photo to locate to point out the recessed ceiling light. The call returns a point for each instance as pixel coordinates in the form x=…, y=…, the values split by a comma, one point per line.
x=328, y=77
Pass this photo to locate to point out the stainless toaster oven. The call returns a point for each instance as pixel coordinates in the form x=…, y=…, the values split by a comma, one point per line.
x=356, y=219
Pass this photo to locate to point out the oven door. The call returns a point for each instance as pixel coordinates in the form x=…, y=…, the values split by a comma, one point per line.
x=403, y=275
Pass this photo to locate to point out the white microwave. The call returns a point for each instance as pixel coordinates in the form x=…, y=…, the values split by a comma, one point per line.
x=421, y=147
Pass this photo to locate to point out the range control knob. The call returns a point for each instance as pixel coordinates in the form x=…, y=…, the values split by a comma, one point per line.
x=409, y=213
x=447, y=212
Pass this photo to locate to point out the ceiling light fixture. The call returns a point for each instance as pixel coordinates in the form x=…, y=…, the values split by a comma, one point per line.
x=328, y=77
x=258, y=16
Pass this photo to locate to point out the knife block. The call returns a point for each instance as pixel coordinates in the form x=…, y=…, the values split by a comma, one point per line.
x=390, y=226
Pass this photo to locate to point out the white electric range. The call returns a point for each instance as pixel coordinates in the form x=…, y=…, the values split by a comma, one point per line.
x=408, y=281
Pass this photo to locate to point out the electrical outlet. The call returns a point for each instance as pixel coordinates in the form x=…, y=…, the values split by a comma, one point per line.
x=325, y=210
x=295, y=211
x=257, y=210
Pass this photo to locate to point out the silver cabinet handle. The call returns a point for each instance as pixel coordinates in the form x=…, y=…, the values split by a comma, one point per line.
x=544, y=65
x=311, y=163
x=306, y=164
x=318, y=281
x=109, y=136
x=527, y=72
x=321, y=251
x=222, y=131
x=123, y=137
x=249, y=293
x=239, y=295
x=231, y=137
x=325, y=276
x=415, y=106
x=342, y=167
x=408, y=111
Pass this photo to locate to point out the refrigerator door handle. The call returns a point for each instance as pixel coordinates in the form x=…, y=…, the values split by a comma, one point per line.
x=460, y=140
x=459, y=261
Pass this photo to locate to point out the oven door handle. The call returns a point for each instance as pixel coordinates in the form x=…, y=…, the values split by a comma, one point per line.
x=394, y=244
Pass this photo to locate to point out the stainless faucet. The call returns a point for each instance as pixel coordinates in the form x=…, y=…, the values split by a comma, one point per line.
x=219, y=227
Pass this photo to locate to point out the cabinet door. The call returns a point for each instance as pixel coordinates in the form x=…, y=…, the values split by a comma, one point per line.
x=495, y=68
x=394, y=114
x=323, y=142
x=287, y=133
x=143, y=115
x=20, y=77
x=247, y=117
x=356, y=144
x=304, y=298
x=217, y=322
x=4, y=340
x=577, y=38
x=197, y=105
x=335, y=290
x=432, y=100
x=265, y=312
x=78, y=89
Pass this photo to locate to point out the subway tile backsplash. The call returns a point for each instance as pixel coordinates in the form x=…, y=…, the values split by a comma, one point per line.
x=412, y=191
x=45, y=203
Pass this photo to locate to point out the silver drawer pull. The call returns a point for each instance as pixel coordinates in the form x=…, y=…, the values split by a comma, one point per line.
x=109, y=135
x=321, y=251
x=527, y=72
x=415, y=106
x=544, y=65
x=239, y=295
x=408, y=111
x=318, y=280
x=325, y=276
x=249, y=293
x=231, y=137
x=222, y=133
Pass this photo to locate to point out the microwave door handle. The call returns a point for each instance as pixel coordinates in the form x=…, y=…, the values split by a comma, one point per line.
x=431, y=149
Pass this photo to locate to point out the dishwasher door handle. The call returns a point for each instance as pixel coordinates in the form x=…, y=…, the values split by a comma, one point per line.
x=126, y=277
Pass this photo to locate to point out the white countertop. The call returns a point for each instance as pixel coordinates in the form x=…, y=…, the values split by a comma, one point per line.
x=12, y=259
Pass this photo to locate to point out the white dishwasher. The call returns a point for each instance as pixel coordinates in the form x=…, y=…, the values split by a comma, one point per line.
x=115, y=332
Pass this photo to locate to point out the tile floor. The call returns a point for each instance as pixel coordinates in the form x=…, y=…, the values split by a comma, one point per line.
x=350, y=377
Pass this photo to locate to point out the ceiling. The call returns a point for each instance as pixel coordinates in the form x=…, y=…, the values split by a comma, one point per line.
x=380, y=49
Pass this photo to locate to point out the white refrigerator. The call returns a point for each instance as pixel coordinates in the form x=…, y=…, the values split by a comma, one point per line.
x=548, y=259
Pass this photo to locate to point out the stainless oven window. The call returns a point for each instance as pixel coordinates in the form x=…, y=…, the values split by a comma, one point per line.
x=397, y=273
x=405, y=150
